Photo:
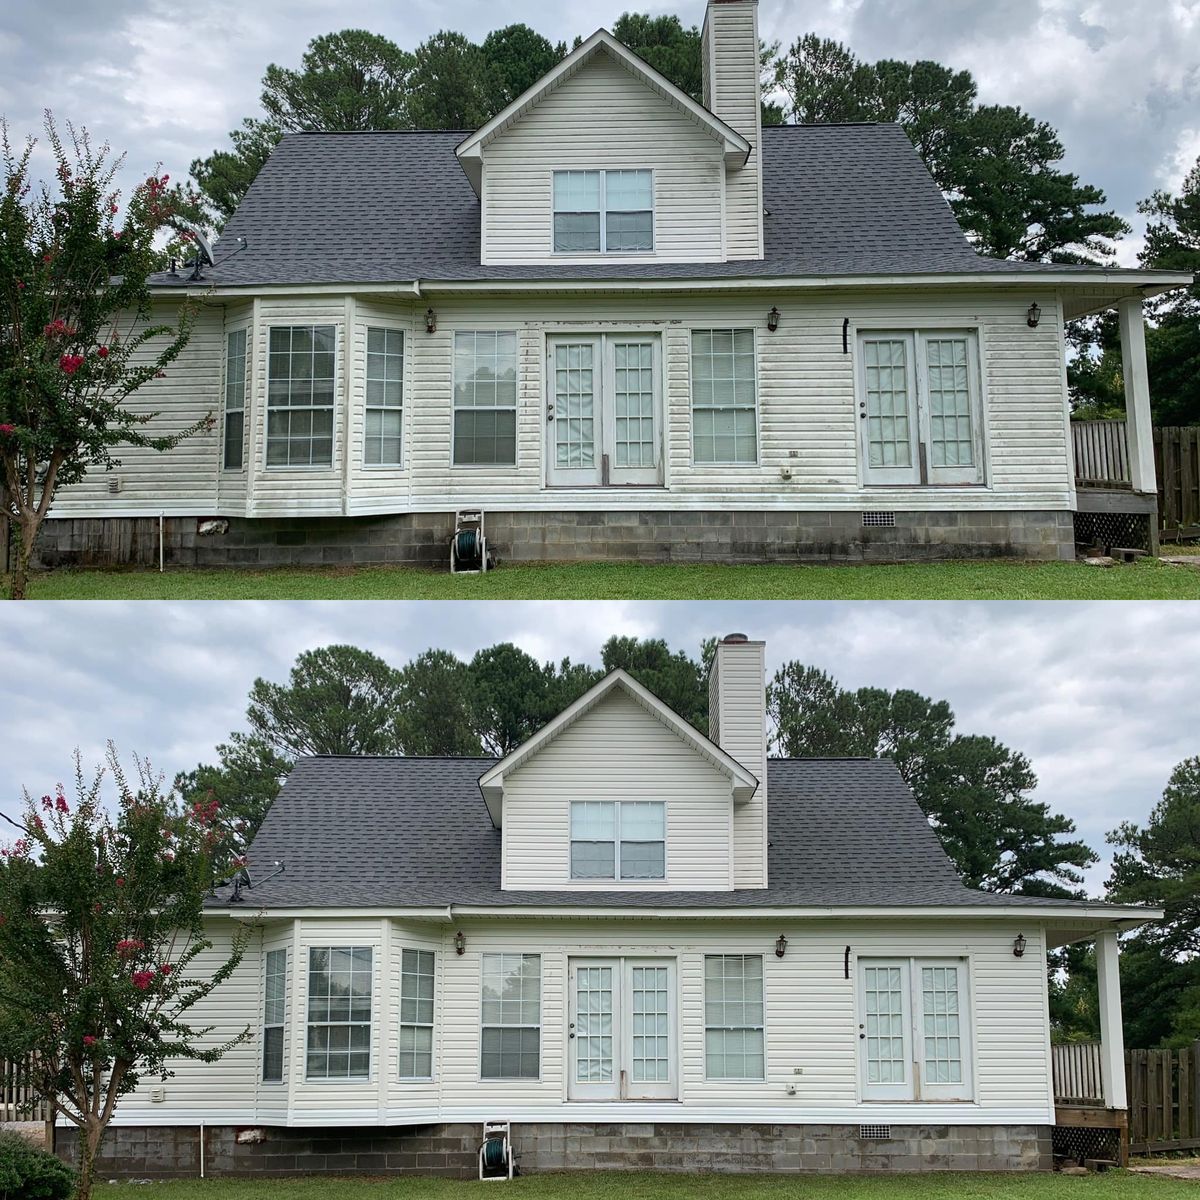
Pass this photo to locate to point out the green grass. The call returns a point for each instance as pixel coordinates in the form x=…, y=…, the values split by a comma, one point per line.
x=613, y=1185
x=990, y=580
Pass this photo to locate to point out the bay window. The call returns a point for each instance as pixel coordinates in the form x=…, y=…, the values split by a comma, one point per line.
x=416, y=1014
x=383, y=417
x=233, y=435
x=339, y=1012
x=274, y=1014
x=300, y=395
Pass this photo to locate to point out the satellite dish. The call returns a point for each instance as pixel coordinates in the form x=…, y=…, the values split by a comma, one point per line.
x=203, y=244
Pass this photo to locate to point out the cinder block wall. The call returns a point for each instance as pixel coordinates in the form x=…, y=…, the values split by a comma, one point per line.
x=450, y=1150
x=423, y=539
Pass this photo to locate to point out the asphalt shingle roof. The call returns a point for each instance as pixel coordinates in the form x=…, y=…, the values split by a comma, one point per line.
x=402, y=832
x=363, y=208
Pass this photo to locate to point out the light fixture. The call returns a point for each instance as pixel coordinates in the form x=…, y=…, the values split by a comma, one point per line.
x=430, y=321
x=1019, y=946
x=1034, y=315
x=460, y=943
x=773, y=319
x=780, y=946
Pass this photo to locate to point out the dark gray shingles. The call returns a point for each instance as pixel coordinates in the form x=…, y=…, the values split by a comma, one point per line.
x=398, y=832
x=380, y=208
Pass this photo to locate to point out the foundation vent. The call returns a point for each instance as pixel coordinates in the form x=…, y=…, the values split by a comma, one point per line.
x=875, y=1133
x=878, y=520
x=114, y=485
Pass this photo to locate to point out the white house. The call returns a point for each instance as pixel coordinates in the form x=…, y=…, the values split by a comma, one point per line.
x=638, y=945
x=625, y=325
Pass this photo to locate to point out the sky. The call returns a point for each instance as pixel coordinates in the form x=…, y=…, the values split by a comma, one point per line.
x=166, y=80
x=1099, y=696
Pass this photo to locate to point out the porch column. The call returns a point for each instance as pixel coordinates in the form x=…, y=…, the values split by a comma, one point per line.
x=1137, y=396
x=1112, y=1039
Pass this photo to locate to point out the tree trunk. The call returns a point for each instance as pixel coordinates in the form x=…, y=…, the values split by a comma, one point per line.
x=18, y=583
x=89, y=1145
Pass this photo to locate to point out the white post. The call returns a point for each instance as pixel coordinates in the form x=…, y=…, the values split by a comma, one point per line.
x=1137, y=396
x=1112, y=1038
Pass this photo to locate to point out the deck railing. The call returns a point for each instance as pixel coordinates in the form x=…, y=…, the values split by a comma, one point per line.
x=1101, y=454
x=18, y=1100
x=1076, y=1067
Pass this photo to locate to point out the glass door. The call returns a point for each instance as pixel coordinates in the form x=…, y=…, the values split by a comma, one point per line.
x=887, y=409
x=573, y=412
x=884, y=1029
x=592, y=1031
x=631, y=420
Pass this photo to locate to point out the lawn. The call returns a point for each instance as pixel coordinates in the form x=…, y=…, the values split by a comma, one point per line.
x=989, y=580
x=612, y=1185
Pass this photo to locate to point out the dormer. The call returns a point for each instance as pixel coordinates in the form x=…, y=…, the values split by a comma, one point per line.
x=604, y=161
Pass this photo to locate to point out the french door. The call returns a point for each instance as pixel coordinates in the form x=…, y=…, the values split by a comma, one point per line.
x=621, y=1029
x=603, y=410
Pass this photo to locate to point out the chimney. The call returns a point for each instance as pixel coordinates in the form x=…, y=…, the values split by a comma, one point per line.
x=732, y=91
x=737, y=722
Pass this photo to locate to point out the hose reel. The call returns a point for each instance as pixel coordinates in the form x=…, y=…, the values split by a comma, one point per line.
x=495, y=1152
x=469, y=553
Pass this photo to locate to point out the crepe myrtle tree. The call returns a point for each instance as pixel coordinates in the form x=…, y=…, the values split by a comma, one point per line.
x=76, y=335
x=102, y=943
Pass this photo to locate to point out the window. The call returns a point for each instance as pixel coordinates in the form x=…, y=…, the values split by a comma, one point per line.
x=235, y=400
x=339, y=1012
x=724, y=416
x=485, y=398
x=733, y=1016
x=913, y=1014
x=416, y=1014
x=300, y=372
x=274, y=1014
x=603, y=212
x=384, y=410
x=510, y=1046
x=618, y=839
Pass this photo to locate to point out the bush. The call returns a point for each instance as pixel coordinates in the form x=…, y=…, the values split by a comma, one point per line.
x=30, y=1173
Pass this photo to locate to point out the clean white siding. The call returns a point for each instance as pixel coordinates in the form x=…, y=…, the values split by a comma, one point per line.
x=603, y=117
x=617, y=751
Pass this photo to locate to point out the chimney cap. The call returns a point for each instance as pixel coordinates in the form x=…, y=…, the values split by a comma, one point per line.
x=734, y=639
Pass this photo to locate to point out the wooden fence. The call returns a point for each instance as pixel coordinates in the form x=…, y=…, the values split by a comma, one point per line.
x=1076, y=1067
x=1177, y=461
x=18, y=1101
x=1164, y=1099
x=1101, y=454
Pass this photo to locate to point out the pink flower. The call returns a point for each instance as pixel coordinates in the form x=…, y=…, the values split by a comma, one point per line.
x=88, y=1040
x=70, y=363
x=142, y=979
x=165, y=969
x=119, y=881
x=103, y=352
x=7, y=430
x=127, y=946
x=47, y=803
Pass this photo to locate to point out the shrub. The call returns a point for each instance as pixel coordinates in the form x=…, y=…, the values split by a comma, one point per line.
x=30, y=1173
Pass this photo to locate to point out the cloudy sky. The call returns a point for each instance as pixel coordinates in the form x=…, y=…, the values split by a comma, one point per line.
x=166, y=79
x=1094, y=694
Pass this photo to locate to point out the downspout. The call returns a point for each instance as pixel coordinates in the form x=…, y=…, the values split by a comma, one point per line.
x=201, y=1149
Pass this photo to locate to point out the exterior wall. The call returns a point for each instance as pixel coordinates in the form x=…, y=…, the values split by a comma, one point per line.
x=451, y=1150
x=617, y=751
x=602, y=116
x=811, y=1028
x=807, y=411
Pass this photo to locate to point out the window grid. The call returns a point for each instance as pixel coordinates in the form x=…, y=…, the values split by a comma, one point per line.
x=884, y=1019
x=942, y=1029
x=888, y=402
x=511, y=1018
x=633, y=395
x=594, y=1024
x=274, y=1014
x=384, y=397
x=951, y=439
x=339, y=1012
x=733, y=1016
x=574, y=405
x=603, y=212
x=623, y=839
x=416, y=1014
x=651, y=1025
x=485, y=398
x=234, y=434
x=724, y=405
x=300, y=396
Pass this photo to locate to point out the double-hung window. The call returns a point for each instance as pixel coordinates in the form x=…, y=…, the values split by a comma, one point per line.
x=339, y=1012
x=233, y=437
x=733, y=1016
x=914, y=1029
x=485, y=397
x=724, y=408
x=511, y=1034
x=416, y=1014
x=623, y=839
x=384, y=397
x=300, y=393
x=274, y=1015
x=603, y=212
x=919, y=413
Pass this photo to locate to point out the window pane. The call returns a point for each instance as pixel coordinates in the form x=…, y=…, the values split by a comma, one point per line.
x=643, y=860
x=593, y=820
x=510, y=1054
x=724, y=418
x=627, y=191
x=576, y=232
x=300, y=378
x=576, y=191
x=485, y=437
x=593, y=860
x=643, y=820
x=629, y=231
x=272, y=1070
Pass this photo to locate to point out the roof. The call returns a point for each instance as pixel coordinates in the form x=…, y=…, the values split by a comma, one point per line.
x=363, y=832
x=388, y=208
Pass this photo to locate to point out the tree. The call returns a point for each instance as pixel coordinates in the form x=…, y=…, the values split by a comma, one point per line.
x=510, y=693
x=515, y=58
x=101, y=934
x=436, y=712
x=669, y=46
x=225, y=176
x=825, y=83
x=449, y=84
x=76, y=342
x=675, y=678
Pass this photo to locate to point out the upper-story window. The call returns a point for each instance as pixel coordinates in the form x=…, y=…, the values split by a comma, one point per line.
x=603, y=212
x=300, y=396
x=618, y=839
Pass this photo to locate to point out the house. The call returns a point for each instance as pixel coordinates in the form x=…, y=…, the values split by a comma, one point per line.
x=638, y=945
x=624, y=325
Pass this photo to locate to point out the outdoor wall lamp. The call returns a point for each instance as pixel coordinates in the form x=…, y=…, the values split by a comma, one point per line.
x=430, y=321
x=780, y=946
x=1033, y=316
x=773, y=319
x=1019, y=946
x=460, y=943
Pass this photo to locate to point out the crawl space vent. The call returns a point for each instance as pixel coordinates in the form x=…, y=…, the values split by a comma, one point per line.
x=875, y=1133
x=878, y=520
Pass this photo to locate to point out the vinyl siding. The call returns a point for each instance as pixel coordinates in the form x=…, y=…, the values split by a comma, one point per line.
x=616, y=751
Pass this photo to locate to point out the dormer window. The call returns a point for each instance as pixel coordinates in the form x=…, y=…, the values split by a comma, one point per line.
x=603, y=212
x=623, y=840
